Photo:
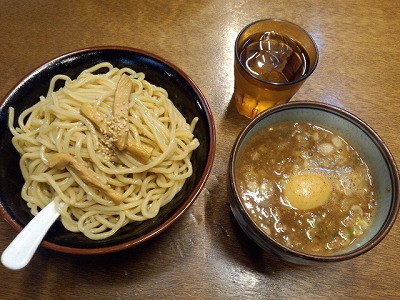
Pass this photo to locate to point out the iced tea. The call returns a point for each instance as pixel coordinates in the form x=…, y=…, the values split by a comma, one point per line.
x=270, y=66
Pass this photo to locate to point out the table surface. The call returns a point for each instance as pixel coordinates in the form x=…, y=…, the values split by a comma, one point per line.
x=205, y=255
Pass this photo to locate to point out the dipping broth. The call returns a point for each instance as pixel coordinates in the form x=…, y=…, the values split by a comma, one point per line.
x=306, y=187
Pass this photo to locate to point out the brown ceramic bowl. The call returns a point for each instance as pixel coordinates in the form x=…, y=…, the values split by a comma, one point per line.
x=365, y=140
x=186, y=96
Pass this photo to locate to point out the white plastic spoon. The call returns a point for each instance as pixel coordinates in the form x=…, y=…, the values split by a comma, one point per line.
x=19, y=253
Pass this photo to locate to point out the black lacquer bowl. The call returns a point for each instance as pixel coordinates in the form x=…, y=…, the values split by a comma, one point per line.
x=185, y=95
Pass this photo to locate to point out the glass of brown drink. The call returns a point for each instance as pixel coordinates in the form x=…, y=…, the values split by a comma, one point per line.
x=273, y=58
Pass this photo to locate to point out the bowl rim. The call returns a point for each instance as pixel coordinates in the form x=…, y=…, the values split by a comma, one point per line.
x=210, y=124
x=329, y=108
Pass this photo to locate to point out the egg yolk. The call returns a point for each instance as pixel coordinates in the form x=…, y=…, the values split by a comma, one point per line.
x=307, y=191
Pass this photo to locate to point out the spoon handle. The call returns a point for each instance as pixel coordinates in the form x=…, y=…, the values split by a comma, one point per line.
x=19, y=253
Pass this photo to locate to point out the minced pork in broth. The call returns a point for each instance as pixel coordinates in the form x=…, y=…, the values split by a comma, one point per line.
x=306, y=187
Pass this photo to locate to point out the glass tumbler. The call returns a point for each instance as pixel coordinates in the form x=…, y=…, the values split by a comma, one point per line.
x=273, y=58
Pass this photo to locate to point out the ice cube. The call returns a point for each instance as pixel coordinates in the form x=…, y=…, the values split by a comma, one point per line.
x=274, y=58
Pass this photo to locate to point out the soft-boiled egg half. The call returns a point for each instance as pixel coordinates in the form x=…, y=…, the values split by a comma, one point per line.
x=307, y=191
